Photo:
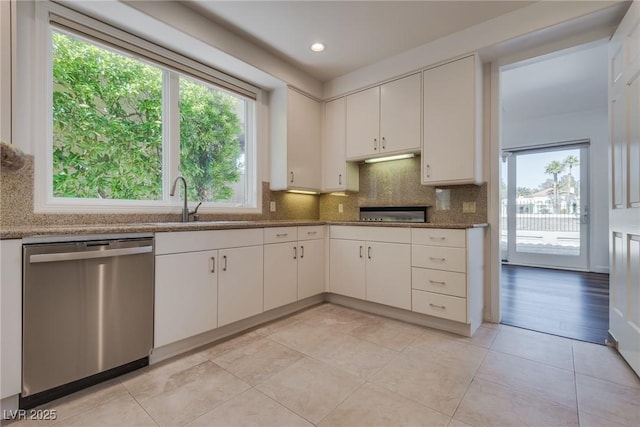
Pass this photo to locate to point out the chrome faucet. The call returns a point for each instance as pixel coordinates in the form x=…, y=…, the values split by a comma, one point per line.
x=185, y=209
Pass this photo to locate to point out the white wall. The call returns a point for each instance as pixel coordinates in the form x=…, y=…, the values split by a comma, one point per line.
x=591, y=125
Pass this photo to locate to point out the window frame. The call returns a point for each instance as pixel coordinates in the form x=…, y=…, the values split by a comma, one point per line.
x=44, y=202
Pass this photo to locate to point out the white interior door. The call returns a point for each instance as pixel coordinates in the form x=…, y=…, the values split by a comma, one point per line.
x=624, y=209
x=547, y=209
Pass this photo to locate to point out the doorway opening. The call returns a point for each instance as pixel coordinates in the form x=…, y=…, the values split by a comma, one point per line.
x=554, y=141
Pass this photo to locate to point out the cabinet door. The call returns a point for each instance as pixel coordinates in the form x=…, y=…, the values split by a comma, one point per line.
x=240, y=290
x=11, y=317
x=451, y=151
x=280, y=274
x=363, y=123
x=304, y=135
x=337, y=175
x=310, y=268
x=389, y=274
x=347, y=268
x=401, y=115
x=185, y=295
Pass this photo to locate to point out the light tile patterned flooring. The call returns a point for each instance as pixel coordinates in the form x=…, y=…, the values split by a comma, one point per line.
x=333, y=366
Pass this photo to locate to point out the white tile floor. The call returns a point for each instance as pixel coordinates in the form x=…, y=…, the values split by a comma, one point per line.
x=332, y=366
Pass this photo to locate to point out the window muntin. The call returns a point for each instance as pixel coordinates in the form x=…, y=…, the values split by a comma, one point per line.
x=218, y=162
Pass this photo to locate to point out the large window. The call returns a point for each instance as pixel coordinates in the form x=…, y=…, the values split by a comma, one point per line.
x=125, y=125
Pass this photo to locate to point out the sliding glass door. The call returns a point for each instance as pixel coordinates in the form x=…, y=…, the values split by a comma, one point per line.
x=545, y=212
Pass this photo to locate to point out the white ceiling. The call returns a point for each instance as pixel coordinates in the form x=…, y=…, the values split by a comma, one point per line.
x=356, y=33
x=561, y=83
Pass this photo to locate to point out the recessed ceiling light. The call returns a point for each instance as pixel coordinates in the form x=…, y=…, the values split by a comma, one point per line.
x=317, y=47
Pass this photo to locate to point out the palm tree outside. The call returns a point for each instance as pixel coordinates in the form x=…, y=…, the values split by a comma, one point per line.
x=555, y=168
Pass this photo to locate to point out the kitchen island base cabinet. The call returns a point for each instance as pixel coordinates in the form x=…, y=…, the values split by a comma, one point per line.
x=186, y=295
x=240, y=289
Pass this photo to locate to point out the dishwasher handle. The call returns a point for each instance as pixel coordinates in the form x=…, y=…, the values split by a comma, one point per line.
x=72, y=256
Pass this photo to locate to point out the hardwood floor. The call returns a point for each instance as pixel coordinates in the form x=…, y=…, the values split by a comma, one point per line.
x=565, y=303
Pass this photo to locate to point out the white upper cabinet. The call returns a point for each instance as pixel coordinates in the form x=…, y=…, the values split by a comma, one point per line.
x=296, y=148
x=384, y=120
x=400, y=115
x=338, y=175
x=451, y=151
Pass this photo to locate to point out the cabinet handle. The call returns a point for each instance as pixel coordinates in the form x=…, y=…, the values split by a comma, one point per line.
x=292, y=177
x=428, y=171
x=441, y=307
x=435, y=282
x=375, y=143
x=437, y=259
x=360, y=251
x=369, y=252
x=301, y=251
x=224, y=258
x=340, y=179
x=295, y=253
x=384, y=143
x=213, y=264
x=312, y=233
x=436, y=238
x=282, y=235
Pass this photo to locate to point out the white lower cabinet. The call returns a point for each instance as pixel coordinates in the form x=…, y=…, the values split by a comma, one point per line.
x=10, y=317
x=294, y=266
x=447, y=274
x=372, y=263
x=202, y=281
x=347, y=268
x=240, y=286
x=186, y=295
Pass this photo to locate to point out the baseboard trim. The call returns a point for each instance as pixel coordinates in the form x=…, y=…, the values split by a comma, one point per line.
x=401, y=314
x=174, y=349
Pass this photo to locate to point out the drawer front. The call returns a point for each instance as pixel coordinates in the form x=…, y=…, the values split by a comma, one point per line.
x=191, y=241
x=371, y=233
x=445, y=306
x=440, y=282
x=439, y=258
x=311, y=232
x=439, y=237
x=280, y=234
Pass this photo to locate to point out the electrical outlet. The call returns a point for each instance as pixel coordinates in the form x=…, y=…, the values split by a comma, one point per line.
x=272, y=206
x=340, y=208
x=468, y=207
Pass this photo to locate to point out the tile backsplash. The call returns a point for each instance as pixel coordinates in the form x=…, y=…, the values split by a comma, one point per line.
x=397, y=183
x=381, y=184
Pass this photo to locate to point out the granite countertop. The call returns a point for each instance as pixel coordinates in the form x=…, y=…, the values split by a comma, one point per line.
x=153, y=227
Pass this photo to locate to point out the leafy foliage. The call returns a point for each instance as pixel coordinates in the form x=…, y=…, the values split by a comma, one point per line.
x=107, y=128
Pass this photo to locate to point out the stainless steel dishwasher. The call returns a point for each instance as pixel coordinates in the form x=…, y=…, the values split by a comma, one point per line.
x=87, y=312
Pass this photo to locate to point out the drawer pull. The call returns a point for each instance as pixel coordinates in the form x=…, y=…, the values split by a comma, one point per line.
x=441, y=307
x=282, y=235
x=437, y=259
x=435, y=282
x=437, y=238
x=312, y=233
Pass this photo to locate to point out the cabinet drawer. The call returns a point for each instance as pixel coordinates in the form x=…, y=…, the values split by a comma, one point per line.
x=439, y=237
x=445, y=306
x=191, y=241
x=439, y=258
x=371, y=233
x=280, y=234
x=311, y=232
x=440, y=282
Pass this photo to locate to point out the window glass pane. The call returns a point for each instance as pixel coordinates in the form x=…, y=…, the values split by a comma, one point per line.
x=107, y=123
x=213, y=154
